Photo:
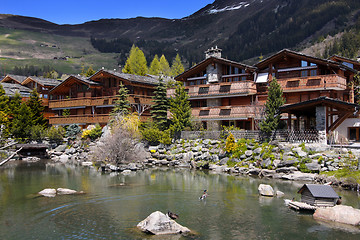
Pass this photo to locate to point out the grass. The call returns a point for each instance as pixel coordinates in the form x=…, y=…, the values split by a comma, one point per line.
x=345, y=174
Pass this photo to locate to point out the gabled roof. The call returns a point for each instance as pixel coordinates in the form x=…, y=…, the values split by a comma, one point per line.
x=12, y=88
x=320, y=191
x=19, y=79
x=46, y=82
x=341, y=59
x=77, y=78
x=264, y=63
x=129, y=77
x=203, y=64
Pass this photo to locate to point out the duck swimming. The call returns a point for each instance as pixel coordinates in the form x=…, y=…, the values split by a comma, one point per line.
x=172, y=215
x=204, y=195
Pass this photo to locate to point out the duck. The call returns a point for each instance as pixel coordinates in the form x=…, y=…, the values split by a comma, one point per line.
x=172, y=215
x=204, y=195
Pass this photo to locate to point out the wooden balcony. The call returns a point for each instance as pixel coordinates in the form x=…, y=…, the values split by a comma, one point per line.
x=321, y=82
x=96, y=101
x=241, y=88
x=226, y=112
x=85, y=119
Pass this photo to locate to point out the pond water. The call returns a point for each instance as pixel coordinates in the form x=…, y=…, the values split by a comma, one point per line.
x=115, y=203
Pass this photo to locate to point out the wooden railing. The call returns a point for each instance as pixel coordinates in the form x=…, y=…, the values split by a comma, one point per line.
x=85, y=119
x=319, y=82
x=227, y=112
x=97, y=101
x=241, y=88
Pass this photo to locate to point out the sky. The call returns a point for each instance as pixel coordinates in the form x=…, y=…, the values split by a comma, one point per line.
x=80, y=11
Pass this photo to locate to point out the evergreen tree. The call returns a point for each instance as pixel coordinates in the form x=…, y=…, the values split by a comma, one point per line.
x=90, y=72
x=155, y=66
x=160, y=107
x=164, y=66
x=122, y=104
x=136, y=62
x=272, y=114
x=177, y=67
x=36, y=108
x=4, y=100
x=180, y=109
x=22, y=122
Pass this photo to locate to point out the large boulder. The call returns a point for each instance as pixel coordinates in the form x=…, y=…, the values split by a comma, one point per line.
x=66, y=191
x=299, y=176
x=48, y=192
x=340, y=213
x=158, y=223
x=266, y=190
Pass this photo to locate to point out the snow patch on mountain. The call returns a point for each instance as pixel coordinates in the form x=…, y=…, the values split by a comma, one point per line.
x=229, y=8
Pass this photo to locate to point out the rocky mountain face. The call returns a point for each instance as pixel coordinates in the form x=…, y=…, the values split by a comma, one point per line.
x=244, y=29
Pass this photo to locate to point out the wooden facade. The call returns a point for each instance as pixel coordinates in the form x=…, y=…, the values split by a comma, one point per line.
x=223, y=92
x=90, y=100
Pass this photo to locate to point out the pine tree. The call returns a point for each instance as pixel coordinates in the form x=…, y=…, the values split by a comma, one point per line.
x=122, y=104
x=272, y=114
x=90, y=72
x=161, y=105
x=22, y=122
x=136, y=62
x=180, y=109
x=177, y=67
x=155, y=66
x=36, y=108
x=164, y=66
x=4, y=100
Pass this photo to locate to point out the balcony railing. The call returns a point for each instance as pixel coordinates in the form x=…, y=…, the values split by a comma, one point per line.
x=320, y=82
x=96, y=101
x=227, y=112
x=241, y=88
x=85, y=119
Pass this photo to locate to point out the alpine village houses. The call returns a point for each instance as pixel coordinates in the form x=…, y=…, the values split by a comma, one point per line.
x=222, y=93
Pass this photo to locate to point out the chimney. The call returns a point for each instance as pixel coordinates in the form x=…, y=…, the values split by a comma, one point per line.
x=213, y=52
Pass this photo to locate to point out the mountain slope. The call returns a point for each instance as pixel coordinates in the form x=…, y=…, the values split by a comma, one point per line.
x=244, y=29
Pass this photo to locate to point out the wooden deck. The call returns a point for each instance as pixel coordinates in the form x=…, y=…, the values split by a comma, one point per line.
x=300, y=206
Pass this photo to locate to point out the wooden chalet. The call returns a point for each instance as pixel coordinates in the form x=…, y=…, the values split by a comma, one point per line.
x=12, y=88
x=42, y=86
x=15, y=79
x=318, y=195
x=90, y=100
x=223, y=92
x=346, y=61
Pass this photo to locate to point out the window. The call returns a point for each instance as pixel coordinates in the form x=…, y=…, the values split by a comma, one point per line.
x=312, y=64
x=350, y=65
x=46, y=96
x=203, y=90
x=304, y=73
x=243, y=78
x=313, y=72
x=304, y=63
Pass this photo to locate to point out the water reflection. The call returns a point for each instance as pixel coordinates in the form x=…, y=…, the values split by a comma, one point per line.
x=115, y=203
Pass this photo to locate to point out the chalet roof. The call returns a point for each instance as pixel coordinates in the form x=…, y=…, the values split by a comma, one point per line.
x=12, y=88
x=266, y=61
x=42, y=81
x=210, y=60
x=337, y=57
x=130, y=77
x=17, y=78
x=77, y=78
x=320, y=191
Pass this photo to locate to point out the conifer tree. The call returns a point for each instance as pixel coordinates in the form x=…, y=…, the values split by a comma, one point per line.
x=164, y=66
x=136, y=62
x=36, y=108
x=122, y=104
x=272, y=114
x=177, y=67
x=160, y=107
x=90, y=72
x=180, y=109
x=4, y=100
x=22, y=122
x=155, y=66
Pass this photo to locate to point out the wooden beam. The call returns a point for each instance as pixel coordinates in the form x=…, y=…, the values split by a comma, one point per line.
x=338, y=121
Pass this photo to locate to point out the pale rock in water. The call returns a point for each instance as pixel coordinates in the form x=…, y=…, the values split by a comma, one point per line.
x=266, y=190
x=340, y=213
x=65, y=191
x=158, y=223
x=48, y=192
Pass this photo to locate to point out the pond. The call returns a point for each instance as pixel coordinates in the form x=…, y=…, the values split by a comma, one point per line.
x=115, y=203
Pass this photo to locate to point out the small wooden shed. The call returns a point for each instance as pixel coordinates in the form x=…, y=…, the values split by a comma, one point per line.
x=318, y=195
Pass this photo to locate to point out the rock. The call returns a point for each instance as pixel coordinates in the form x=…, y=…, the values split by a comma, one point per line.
x=31, y=159
x=314, y=166
x=276, y=163
x=266, y=163
x=286, y=170
x=65, y=191
x=279, y=194
x=300, y=152
x=158, y=223
x=64, y=158
x=266, y=190
x=86, y=164
x=248, y=153
x=48, y=192
x=267, y=173
x=286, y=163
x=60, y=148
x=224, y=161
x=257, y=150
x=254, y=171
x=126, y=172
x=340, y=213
x=299, y=176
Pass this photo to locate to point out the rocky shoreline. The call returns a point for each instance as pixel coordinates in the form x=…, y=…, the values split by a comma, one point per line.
x=295, y=162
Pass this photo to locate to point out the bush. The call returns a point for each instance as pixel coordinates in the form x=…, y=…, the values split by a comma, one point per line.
x=230, y=143
x=165, y=137
x=93, y=133
x=72, y=131
x=55, y=133
x=37, y=132
x=151, y=134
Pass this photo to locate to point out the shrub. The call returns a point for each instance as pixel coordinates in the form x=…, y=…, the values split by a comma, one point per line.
x=37, y=132
x=165, y=137
x=230, y=143
x=93, y=133
x=72, y=131
x=55, y=133
x=151, y=135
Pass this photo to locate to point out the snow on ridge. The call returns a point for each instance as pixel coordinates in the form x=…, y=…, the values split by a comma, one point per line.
x=228, y=8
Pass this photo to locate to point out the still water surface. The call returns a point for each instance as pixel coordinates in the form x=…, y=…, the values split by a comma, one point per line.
x=115, y=203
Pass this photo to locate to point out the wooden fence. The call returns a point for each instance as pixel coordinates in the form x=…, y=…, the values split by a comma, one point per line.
x=280, y=135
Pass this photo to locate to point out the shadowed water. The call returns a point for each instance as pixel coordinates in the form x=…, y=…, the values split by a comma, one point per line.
x=114, y=204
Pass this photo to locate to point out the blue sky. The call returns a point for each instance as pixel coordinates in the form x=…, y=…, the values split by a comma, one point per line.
x=79, y=11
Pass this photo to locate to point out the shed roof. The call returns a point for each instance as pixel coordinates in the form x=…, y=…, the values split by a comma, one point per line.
x=320, y=191
x=17, y=78
x=130, y=77
x=42, y=81
x=12, y=88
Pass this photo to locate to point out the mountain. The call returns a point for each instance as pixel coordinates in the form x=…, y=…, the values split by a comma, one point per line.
x=244, y=29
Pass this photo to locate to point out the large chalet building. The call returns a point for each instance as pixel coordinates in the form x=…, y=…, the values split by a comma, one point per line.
x=223, y=92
